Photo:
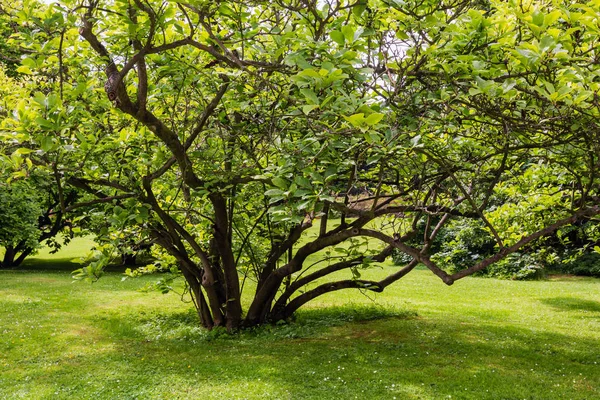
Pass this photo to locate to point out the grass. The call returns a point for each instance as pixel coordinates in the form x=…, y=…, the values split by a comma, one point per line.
x=479, y=339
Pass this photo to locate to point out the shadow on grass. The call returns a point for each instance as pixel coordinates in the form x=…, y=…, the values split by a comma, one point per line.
x=572, y=304
x=180, y=326
x=56, y=264
x=67, y=264
x=377, y=355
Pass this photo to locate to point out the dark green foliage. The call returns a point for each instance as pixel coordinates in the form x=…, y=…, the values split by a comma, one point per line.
x=19, y=212
x=580, y=263
x=519, y=266
x=464, y=243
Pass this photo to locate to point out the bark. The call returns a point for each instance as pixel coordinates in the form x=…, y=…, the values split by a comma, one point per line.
x=232, y=285
x=265, y=295
x=329, y=287
x=9, y=257
x=199, y=301
x=15, y=255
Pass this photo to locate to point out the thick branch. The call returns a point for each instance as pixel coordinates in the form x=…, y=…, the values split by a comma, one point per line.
x=381, y=256
x=347, y=284
x=107, y=199
x=526, y=240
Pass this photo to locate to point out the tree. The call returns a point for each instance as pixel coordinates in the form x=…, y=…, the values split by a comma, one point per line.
x=19, y=213
x=30, y=207
x=224, y=131
x=29, y=215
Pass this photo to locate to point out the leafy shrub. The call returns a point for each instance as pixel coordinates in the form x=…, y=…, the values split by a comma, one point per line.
x=465, y=242
x=580, y=262
x=519, y=266
x=19, y=212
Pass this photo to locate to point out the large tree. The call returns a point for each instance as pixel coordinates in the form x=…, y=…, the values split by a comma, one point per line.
x=224, y=131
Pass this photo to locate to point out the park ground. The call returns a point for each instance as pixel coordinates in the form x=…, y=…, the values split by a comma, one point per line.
x=479, y=339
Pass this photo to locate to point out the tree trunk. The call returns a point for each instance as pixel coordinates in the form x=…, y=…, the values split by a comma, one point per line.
x=128, y=259
x=9, y=257
x=19, y=260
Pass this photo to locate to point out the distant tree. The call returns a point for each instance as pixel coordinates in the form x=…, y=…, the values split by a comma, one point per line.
x=30, y=215
x=223, y=131
x=19, y=212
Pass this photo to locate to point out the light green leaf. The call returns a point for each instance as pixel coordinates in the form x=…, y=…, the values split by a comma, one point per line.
x=23, y=150
x=356, y=119
x=24, y=69
x=310, y=95
x=374, y=118
x=337, y=37
x=308, y=108
x=348, y=32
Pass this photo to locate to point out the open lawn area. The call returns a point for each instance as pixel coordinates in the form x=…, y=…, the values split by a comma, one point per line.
x=479, y=339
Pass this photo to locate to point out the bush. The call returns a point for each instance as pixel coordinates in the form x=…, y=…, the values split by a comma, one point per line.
x=465, y=242
x=580, y=262
x=519, y=266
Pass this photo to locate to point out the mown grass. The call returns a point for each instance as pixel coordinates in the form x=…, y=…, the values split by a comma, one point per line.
x=479, y=339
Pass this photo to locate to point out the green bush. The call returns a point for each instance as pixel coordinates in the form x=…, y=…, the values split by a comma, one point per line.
x=464, y=243
x=580, y=262
x=519, y=266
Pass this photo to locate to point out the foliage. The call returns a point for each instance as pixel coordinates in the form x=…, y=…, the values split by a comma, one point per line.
x=519, y=266
x=222, y=132
x=20, y=210
x=580, y=262
x=466, y=241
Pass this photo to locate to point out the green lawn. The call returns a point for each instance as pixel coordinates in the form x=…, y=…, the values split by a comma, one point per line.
x=479, y=339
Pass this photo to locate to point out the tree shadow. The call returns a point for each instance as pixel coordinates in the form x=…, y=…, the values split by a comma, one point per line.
x=53, y=264
x=388, y=356
x=572, y=304
x=66, y=264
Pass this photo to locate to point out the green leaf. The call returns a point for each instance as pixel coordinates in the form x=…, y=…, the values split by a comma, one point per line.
x=552, y=17
x=310, y=95
x=356, y=119
x=274, y=192
x=29, y=62
x=538, y=18
x=24, y=69
x=310, y=72
x=308, y=108
x=337, y=37
x=23, y=150
x=39, y=98
x=302, y=181
x=358, y=9
x=280, y=183
x=47, y=143
x=348, y=32
x=374, y=118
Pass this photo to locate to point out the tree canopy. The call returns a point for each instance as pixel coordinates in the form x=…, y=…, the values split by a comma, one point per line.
x=223, y=131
